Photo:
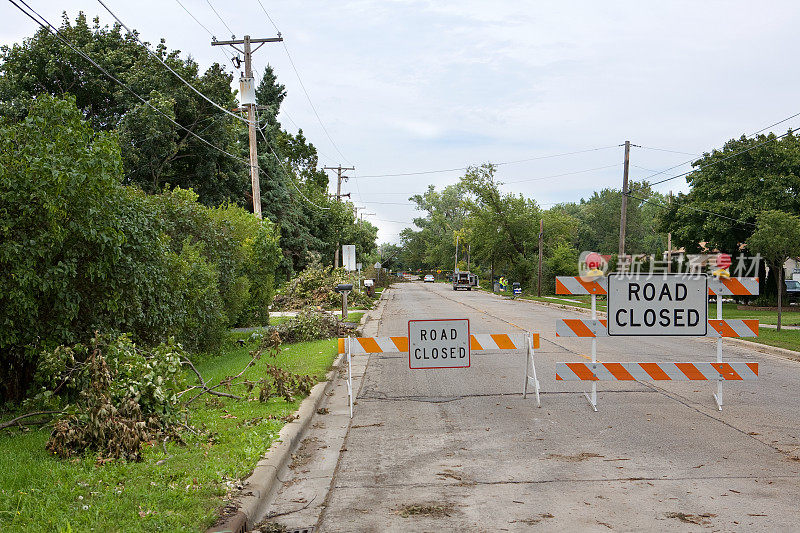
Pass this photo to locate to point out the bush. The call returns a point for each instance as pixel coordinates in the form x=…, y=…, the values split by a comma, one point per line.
x=81, y=253
x=308, y=325
x=116, y=395
x=315, y=286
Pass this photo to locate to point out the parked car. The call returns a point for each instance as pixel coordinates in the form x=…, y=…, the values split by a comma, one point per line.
x=792, y=290
x=428, y=278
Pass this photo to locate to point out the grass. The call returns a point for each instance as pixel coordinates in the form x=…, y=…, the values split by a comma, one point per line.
x=175, y=488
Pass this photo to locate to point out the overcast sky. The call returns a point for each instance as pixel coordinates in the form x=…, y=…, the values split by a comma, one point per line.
x=412, y=86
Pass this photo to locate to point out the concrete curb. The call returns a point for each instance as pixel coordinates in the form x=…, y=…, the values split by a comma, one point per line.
x=253, y=500
x=251, y=504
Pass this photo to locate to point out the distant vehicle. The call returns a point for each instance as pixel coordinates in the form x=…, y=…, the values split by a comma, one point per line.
x=428, y=278
x=463, y=280
x=792, y=290
x=473, y=280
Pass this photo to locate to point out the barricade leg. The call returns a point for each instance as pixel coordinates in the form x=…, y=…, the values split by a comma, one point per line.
x=532, y=361
x=349, y=376
x=718, y=395
x=593, y=398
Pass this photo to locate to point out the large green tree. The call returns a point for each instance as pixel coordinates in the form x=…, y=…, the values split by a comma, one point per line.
x=155, y=152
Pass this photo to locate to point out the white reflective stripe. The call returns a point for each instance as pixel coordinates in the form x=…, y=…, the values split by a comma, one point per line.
x=744, y=287
x=744, y=371
x=566, y=373
x=487, y=343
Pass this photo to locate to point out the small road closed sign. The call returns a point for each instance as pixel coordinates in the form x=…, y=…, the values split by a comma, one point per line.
x=658, y=304
x=441, y=343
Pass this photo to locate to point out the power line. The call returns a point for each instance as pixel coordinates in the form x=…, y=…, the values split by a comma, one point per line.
x=288, y=170
x=717, y=161
x=227, y=55
x=560, y=175
x=719, y=215
x=219, y=17
x=423, y=172
x=664, y=150
x=54, y=31
x=775, y=124
x=302, y=85
x=192, y=87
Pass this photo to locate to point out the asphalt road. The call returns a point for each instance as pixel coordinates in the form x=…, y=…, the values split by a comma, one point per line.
x=460, y=449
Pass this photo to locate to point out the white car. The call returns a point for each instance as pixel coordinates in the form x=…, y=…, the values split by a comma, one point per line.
x=428, y=277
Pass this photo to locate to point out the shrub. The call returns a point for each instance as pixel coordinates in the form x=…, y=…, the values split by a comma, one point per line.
x=309, y=324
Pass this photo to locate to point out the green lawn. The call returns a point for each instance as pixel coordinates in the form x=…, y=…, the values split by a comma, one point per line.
x=180, y=490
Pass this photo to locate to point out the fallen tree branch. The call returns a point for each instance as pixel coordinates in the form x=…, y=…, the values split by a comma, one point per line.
x=206, y=388
x=15, y=421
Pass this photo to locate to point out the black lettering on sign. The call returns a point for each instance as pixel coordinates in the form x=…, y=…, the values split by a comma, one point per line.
x=423, y=335
x=453, y=333
x=680, y=292
x=649, y=317
x=633, y=290
x=619, y=322
x=416, y=354
x=652, y=292
x=462, y=353
x=434, y=353
x=665, y=292
x=664, y=314
x=678, y=322
x=693, y=317
x=433, y=334
x=634, y=324
x=444, y=334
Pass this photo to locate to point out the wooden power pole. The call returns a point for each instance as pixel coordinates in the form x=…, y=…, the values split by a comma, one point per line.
x=251, y=107
x=339, y=179
x=624, y=211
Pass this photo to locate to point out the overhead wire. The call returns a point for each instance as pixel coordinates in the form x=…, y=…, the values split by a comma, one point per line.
x=156, y=56
x=54, y=31
x=220, y=18
x=303, y=86
x=222, y=49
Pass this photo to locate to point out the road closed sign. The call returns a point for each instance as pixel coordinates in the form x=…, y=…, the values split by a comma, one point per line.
x=438, y=343
x=657, y=305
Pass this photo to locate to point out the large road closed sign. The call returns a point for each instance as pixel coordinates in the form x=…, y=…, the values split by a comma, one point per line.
x=438, y=343
x=657, y=305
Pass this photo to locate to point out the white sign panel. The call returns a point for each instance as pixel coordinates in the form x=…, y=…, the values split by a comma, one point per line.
x=657, y=305
x=349, y=256
x=438, y=343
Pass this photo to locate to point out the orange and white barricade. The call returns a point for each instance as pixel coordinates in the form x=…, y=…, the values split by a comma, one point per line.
x=595, y=371
x=478, y=342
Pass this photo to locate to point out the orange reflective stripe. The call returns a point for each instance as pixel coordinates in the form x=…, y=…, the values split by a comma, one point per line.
x=753, y=367
x=727, y=371
x=536, y=341
x=582, y=371
x=752, y=324
x=341, y=345
x=369, y=344
x=503, y=342
x=619, y=372
x=592, y=286
x=735, y=286
x=401, y=343
x=560, y=288
x=690, y=371
x=654, y=371
x=474, y=344
x=578, y=327
x=723, y=328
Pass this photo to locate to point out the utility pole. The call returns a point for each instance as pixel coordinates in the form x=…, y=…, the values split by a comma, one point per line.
x=339, y=195
x=469, y=255
x=455, y=268
x=669, y=242
x=541, y=240
x=248, y=82
x=624, y=211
